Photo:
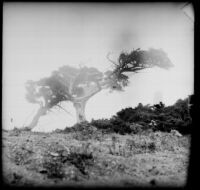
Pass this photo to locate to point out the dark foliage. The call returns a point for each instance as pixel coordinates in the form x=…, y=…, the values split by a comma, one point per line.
x=53, y=166
x=101, y=123
x=143, y=117
x=115, y=125
x=80, y=160
x=69, y=83
x=165, y=118
x=80, y=126
x=152, y=147
x=137, y=114
x=119, y=126
x=137, y=128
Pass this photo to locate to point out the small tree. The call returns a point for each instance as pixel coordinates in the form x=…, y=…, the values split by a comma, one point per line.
x=78, y=85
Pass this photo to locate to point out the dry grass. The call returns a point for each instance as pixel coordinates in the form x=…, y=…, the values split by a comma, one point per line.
x=78, y=158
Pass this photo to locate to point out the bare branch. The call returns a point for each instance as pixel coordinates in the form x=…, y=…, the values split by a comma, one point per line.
x=64, y=109
x=110, y=59
x=85, y=98
x=133, y=69
x=72, y=81
x=66, y=95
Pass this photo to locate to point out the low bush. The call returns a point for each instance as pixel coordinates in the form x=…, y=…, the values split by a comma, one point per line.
x=128, y=120
x=53, y=166
x=101, y=123
x=141, y=146
x=115, y=125
x=54, y=163
x=80, y=160
x=80, y=126
x=152, y=146
x=119, y=126
x=167, y=118
x=136, y=128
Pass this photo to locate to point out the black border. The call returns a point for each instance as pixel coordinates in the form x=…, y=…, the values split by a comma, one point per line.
x=193, y=171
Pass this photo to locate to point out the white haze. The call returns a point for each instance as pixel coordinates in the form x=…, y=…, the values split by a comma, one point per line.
x=40, y=37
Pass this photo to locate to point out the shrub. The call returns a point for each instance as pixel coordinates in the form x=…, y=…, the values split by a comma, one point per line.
x=101, y=123
x=80, y=126
x=143, y=125
x=139, y=113
x=136, y=128
x=80, y=160
x=152, y=146
x=119, y=126
x=127, y=114
x=140, y=146
x=168, y=118
x=171, y=123
x=54, y=163
x=53, y=166
x=115, y=125
x=58, y=131
x=82, y=131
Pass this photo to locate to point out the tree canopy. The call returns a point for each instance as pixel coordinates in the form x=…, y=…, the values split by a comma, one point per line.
x=135, y=61
x=77, y=85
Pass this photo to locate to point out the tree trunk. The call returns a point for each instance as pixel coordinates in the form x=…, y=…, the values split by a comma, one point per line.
x=80, y=111
x=42, y=111
x=80, y=102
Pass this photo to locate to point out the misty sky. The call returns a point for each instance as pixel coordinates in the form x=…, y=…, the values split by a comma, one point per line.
x=38, y=38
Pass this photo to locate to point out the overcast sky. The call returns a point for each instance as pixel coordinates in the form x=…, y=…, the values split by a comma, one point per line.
x=38, y=38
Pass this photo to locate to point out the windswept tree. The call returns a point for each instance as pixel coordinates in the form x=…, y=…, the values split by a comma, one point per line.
x=78, y=85
x=47, y=93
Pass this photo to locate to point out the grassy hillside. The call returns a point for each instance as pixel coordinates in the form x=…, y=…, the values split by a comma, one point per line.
x=89, y=156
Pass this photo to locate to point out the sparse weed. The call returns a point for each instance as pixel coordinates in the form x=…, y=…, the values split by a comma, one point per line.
x=22, y=155
x=139, y=147
x=53, y=166
x=113, y=147
x=111, y=151
x=152, y=147
x=122, y=151
x=81, y=160
x=80, y=157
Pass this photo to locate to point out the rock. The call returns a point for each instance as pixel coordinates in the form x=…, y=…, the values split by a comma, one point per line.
x=53, y=154
x=175, y=133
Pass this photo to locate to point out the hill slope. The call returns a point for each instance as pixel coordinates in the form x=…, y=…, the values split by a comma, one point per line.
x=94, y=158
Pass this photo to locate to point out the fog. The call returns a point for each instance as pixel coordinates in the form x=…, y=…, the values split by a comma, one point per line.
x=40, y=37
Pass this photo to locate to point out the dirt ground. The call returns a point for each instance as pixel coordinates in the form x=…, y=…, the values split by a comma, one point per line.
x=94, y=159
